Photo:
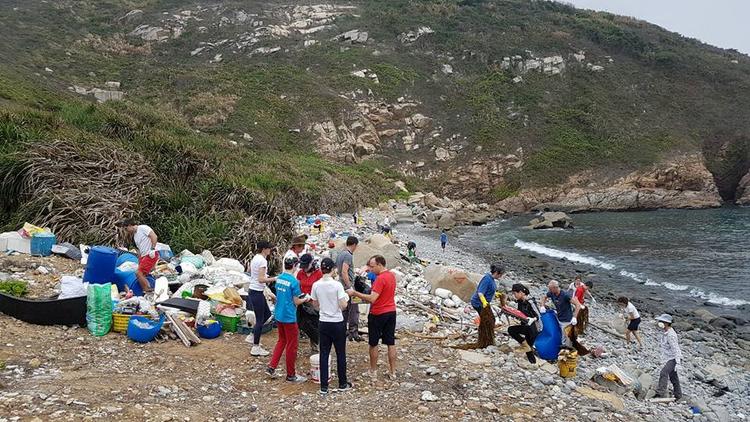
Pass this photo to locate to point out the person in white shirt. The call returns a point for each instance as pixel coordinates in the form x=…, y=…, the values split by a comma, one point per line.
x=671, y=356
x=633, y=317
x=145, y=240
x=256, y=297
x=329, y=297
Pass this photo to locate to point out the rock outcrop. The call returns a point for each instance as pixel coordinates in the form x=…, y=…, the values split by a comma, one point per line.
x=461, y=283
x=550, y=220
x=443, y=213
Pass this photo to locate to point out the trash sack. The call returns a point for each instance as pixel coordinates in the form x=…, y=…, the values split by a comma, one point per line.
x=161, y=288
x=195, y=260
x=361, y=285
x=99, y=309
x=208, y=257
x=230, y=264
x=72, y=287
x=204, y=312
x=614, y=373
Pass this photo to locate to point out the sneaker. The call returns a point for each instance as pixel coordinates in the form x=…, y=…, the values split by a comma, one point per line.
x=323, y=391
x=297, y=379
x=271, y=372
x=259, y=351
x=349, y=386
x=249, y=339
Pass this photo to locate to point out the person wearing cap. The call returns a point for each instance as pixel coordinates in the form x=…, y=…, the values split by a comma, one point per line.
x=259, y=281
x=145, y=240
x=329, y=297
x=288, y=298
x=671, y=356
x=381, y=321
x=307, y=317
x=486, y=289
x=526, y=332
x=295, y=251
x=345, y=268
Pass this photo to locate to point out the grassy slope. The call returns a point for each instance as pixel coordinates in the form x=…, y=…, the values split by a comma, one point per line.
x=663, y=93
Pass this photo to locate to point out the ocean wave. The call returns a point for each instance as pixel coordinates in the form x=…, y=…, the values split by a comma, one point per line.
x=639, y=278
x=556, y=253
x=716, y=299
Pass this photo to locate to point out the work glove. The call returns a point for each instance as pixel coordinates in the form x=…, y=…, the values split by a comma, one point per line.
x=530, y=321
x=152, y=254
x=484, y=301
x=573, y=322
x=583, y=306
x=542, y=310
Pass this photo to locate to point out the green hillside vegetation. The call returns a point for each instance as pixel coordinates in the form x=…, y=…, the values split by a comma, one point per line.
x=658, y=94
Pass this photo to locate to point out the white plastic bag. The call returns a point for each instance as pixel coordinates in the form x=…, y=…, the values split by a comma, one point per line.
x=72, y=287
x=230, y=264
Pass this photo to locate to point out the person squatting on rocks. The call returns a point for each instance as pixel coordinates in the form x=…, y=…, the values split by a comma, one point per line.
x=526, y=332
x=307, y=315
x=381, y=321
x=259, y=281
x=145, y=240
x=288, y=298
x=487, y=287
x=671, y=356
x=329, y=297
x=345, y=268
x=633, y=318
x=564, y=303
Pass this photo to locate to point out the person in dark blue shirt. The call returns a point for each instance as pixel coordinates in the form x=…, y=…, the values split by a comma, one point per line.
x=443, y=239
x=487, y=287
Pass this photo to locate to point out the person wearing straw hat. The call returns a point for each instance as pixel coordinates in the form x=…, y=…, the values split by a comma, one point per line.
x=295, y=251
x=671, y=356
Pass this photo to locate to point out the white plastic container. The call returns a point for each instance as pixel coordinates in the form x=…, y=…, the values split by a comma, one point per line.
x=315, y=368
x=14, y=241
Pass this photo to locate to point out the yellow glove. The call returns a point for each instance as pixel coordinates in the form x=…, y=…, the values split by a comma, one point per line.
x=484, y=301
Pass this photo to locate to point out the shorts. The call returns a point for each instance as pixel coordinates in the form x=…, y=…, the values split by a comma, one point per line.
x=146, y=263
x=442, y=245
x=383, y=327
x=634, y=323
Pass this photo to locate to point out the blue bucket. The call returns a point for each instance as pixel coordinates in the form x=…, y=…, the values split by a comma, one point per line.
x=209, y=331
x=144, y=335
x=124, y=278
x=41, y=244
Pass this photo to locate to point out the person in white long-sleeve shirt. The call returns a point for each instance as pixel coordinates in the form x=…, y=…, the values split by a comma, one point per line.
x=671, y=356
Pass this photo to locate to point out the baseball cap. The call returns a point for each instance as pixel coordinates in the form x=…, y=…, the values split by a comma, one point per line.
x=665, y=318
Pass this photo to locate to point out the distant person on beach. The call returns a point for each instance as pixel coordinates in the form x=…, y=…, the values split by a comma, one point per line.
x=443, y=239
x=145, y=240
x=633, y=317
x=288, y=298
x=345, y=268
x=671, y=356
x=329, y=297
x=566, y=305
x=381, y=322
x=411, y=251
x=259, y=281
x=487, y=287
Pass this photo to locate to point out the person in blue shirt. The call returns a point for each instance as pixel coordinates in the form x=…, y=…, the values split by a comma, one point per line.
x=443, y=239
x=487, y=287
x=566, y=306
x=288, y=297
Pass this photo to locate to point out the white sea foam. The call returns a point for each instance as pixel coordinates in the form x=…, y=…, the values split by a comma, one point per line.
x=716, y=299
x=556, y=253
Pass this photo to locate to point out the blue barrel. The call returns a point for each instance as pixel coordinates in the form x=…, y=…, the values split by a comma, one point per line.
x=41, y=244
x=100, y=267
x=124, y=278
x=136, y=288
x=547, y=343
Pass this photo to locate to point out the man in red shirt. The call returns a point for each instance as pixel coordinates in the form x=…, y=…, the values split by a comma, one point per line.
x=381, y=322
x=307, y=316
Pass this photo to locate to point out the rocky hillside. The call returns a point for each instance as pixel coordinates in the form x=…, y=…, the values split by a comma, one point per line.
x=522, y=103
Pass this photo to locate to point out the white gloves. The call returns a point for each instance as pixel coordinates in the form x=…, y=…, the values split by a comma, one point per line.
x=583, y=306
x=542, y=310
x=573, y=321
x=530, y=321
x=152, y=254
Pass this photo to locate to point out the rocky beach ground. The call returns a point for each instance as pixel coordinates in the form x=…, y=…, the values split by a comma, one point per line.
x=65, y=373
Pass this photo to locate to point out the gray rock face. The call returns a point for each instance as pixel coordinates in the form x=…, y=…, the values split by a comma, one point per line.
x=550, y=220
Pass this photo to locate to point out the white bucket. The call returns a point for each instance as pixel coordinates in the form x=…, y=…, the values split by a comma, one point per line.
x=315, y=368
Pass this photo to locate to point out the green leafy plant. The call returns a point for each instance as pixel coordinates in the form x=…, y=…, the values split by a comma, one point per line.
x=14, y=287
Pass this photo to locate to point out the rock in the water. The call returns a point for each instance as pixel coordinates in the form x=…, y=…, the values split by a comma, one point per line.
x=550, y=220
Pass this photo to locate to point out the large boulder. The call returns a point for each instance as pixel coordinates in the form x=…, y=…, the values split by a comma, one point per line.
x=462, y=284
x=550, y=220
x=377, y=244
